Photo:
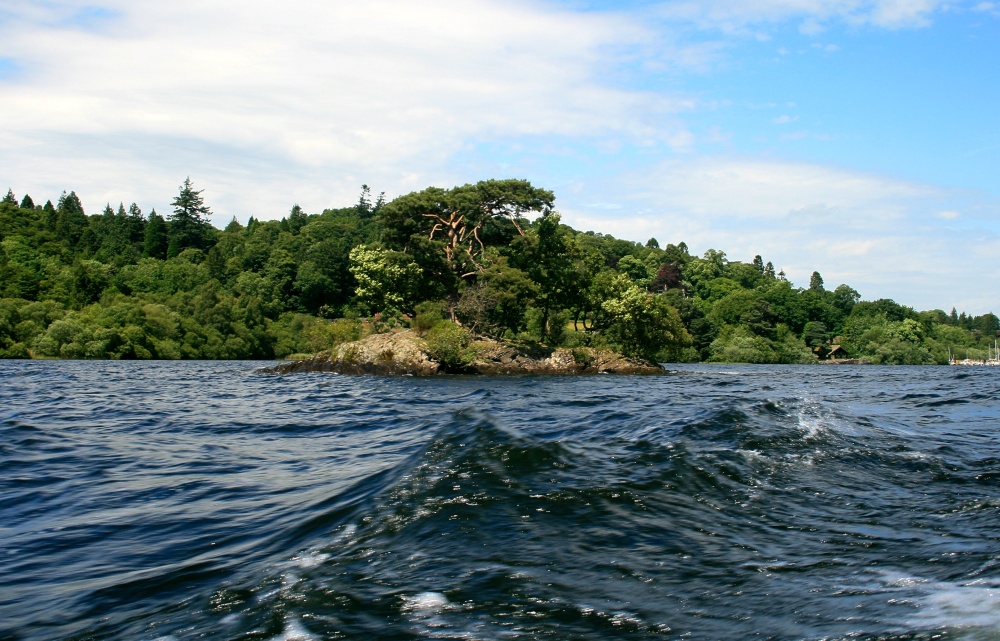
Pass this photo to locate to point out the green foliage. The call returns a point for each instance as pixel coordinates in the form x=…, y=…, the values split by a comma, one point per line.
x=385, y=280
x=736, y=344
x=816, y=283
x=496, y=303
x=548, y=255
x=156, y=239
x=463, y=219
x=642, y=324
x=426, y=315
x=450, y=344
x=189, y=224
x=815, y=334
x=123, y=285
x=791, y=349
x=636, y=270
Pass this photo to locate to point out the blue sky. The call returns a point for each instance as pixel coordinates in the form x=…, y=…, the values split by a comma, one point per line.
x=859, y=138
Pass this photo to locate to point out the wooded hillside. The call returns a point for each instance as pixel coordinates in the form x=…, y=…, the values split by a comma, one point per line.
x=493, y=257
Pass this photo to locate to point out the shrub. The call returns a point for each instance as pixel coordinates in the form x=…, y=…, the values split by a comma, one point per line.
x=427, y=315
x=583, y=356
x=448, y=344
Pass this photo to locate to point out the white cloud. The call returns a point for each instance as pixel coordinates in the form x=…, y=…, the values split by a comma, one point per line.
x=331, y=93
x=882, y=235
x=744, y=16
x=264, y=106
x=769, y=189
x=991, y=8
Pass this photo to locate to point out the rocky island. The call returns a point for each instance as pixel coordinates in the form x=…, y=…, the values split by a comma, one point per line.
x=403, y=352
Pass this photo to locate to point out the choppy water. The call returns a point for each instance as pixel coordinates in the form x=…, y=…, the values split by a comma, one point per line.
x=179, y=501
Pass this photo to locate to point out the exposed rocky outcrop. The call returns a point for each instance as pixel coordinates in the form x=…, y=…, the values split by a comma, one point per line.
x=403, y=352
x=391, y=354
x=845, y=361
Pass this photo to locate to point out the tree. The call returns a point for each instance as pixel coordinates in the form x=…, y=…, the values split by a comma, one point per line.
x=385, y=279
x=668, y=276
x=27, y=202
x=988, y=323
x=136, y=224
x=635, y=269
x=296, y=220
x=189, y=224
x=365, y=207
x=70, y=218
x=49, y=215
x=10, y=198
x=815, y=334
x=845, y=298
x=640, y=323
x=816, y=283
x=457, y=218
x=547, y=254
x=156, y=237
x=497, y=301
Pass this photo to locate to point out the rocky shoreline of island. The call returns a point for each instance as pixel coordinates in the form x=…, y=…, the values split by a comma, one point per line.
x=403, y=352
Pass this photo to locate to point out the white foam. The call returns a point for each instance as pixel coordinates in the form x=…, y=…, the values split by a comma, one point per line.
x=426, y=602
x=310, y=559
x=969, y=605
x=231, y=619
x=295, y=631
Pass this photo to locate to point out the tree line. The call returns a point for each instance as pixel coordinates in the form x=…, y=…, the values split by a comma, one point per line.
x=490, y=259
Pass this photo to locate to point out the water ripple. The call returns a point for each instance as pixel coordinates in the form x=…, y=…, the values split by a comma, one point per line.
x=204, y=500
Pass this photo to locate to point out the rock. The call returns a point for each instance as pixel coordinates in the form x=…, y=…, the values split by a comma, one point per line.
x=391, y=354
x=402, y=352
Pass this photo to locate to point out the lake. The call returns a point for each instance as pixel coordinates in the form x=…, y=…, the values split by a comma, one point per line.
x=204, y=500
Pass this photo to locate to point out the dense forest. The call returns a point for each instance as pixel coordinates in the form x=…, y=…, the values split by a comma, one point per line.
x=490, y=259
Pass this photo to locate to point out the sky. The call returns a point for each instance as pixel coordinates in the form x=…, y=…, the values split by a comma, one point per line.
x=857, y=138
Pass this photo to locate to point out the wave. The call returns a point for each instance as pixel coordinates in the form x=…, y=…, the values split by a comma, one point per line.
x=484, y=508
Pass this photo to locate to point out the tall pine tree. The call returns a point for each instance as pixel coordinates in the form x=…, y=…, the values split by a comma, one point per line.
x=156, y=237
x=70, y=219
x=189, y=224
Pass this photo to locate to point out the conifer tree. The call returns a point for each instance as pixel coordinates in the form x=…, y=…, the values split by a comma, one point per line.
x=189, y=224
x=136, y=224
x=296, y=219
x=816, y=283
x=156, y=238
x=70, y=218
x=50, y=215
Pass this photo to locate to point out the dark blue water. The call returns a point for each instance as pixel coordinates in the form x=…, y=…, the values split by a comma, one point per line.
x=179, y=501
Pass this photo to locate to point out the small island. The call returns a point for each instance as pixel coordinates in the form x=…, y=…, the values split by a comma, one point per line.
x=485, y=277
x=403, y=352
